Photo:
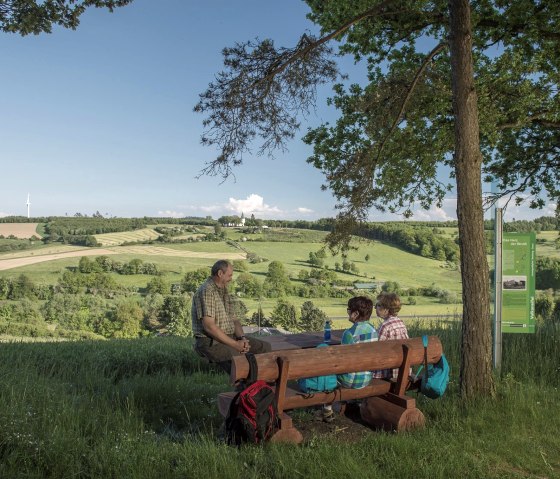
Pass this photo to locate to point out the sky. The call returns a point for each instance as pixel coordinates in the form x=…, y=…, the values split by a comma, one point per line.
x=101, y=118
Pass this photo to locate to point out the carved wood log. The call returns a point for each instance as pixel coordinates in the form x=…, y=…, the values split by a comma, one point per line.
x=338, y=359
x=383, y=413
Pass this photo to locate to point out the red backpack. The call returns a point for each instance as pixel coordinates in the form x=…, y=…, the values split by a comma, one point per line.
x=252, y=414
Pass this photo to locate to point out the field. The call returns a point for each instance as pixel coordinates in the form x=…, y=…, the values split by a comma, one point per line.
x=547, y=244
x=146, y=408
x=19, y=230
x=113, y=239
x=45, y=265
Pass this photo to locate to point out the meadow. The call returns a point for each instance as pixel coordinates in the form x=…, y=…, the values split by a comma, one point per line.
x=290, y=246
x=146, y=408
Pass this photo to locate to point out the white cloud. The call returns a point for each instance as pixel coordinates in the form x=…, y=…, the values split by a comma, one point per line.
x=445, y=213
x=523, y=212
x=171, y=214
x=304, y=211
x=253, y=204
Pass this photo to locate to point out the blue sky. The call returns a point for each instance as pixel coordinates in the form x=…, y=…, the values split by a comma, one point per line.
x=101, y=118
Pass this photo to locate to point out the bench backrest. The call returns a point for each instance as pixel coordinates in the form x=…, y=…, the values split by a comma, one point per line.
x=338, y=359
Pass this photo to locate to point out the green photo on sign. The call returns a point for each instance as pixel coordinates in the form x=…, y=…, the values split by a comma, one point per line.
x=518, y=282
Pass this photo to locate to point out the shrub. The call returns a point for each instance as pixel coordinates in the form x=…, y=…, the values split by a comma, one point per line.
x=312, y=318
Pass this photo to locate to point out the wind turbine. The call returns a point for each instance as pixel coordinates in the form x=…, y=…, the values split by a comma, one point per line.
x=28, y=204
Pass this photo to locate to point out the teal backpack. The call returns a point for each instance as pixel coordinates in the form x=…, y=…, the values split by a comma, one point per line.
x=318, y=383
x=436, y=376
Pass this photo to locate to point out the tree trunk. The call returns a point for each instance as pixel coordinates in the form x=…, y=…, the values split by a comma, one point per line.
x=476, y=340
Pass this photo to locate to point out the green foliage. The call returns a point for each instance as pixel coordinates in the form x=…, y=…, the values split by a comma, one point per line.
x=240, y=310
x=391, y=287
x=127, y=319
x=544, y=306
x=15, y=244
x=240, y=265
x=315, y=260
x=153, y=303
x=175, y=315
x=415, y=238
x=105, y=264
x=324, y=275
x=284, y=316
x=34, y=17
x=248, y=285
x=277, y=281
x=19, y=288
x=158, y=285
x=76, y=312
x=193, y=279
x=258, y=318
x=80, y=230
x=312, y=318
x=24, y=311
x=547, y=273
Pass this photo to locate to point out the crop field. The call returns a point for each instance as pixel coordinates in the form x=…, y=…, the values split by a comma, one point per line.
x=113, y=239
x=19, y=230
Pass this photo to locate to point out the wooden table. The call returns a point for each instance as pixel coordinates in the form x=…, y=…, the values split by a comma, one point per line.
x=310, y=339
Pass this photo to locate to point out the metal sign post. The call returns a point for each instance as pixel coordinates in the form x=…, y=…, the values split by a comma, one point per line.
x=498, y=288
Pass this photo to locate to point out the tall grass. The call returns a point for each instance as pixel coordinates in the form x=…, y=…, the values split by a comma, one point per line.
x=146, y=408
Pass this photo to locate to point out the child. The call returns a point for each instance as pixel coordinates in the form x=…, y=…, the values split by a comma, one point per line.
x=359, y=311
x=387, y=307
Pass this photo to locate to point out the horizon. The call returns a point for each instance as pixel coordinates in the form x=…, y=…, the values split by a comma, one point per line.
x=98, y=215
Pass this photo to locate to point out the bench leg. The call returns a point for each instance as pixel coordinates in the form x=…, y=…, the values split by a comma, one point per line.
x=381, y=413
x=286, y=431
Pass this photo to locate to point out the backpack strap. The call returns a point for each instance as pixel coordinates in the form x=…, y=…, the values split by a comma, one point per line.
x=425, y=343
x=253, y=368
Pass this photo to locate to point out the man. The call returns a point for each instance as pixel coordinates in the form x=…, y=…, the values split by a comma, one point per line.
x=218, y=333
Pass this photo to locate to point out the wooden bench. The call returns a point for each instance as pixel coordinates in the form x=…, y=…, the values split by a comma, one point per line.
x=385, y=403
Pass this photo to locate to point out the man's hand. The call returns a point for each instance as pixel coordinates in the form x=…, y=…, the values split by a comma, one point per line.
x=243, y=345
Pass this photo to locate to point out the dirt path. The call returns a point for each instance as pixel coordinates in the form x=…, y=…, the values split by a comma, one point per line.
x=31, y=258
x=17, y=262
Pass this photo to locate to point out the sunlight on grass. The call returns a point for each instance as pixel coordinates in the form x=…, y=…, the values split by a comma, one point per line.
x=146, y=408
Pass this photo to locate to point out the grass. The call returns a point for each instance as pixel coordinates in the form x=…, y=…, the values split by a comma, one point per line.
x=407, y=269
x=385, y=263
x=336, y=307
x=146, y=408
x=549, y=247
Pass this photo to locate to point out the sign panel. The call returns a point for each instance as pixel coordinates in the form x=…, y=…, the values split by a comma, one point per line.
x=518, y=282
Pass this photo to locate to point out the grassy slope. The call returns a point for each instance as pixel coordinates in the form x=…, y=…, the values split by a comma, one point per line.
x=386, y=263
x=146, y=408
x=405, y=268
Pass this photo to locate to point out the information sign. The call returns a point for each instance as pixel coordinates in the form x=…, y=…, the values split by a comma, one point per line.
x=518, y=282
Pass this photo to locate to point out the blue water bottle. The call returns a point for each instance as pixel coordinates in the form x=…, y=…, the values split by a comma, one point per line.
x=327, y=333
